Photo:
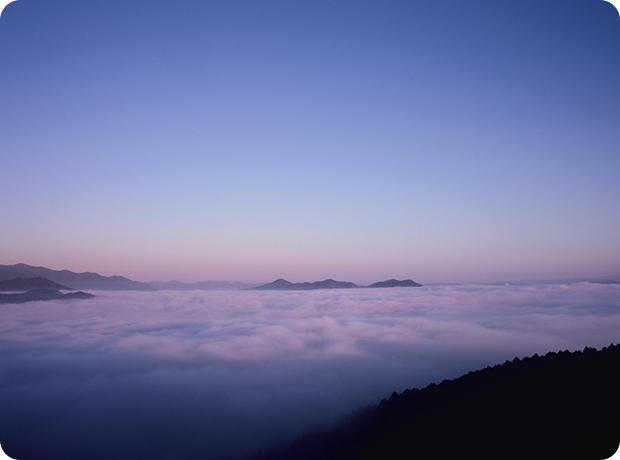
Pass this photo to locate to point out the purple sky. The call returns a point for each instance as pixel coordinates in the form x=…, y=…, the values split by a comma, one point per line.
x=440, y=141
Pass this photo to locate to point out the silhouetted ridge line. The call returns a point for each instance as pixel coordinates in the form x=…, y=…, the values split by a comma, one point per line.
x=26, y=284
x=559, y=406
x=42, y=294
x=77, y=280
x=284, y=285
x=394, y=283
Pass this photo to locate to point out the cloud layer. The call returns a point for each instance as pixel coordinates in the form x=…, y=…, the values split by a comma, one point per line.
x=165, y=375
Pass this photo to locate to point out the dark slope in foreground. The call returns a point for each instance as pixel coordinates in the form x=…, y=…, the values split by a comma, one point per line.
x=77, y=280
x=284, y=285
x=27, y=284
x=560, y=406
x=42, y=294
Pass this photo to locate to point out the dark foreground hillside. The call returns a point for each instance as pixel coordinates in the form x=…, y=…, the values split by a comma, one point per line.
x=559, y=406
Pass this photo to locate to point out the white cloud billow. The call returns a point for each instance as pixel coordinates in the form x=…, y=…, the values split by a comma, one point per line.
x=216, y=373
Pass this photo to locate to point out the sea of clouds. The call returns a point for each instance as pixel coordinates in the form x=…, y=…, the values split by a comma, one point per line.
x=206, y=374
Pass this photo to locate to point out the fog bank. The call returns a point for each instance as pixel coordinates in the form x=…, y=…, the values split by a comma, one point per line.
x=205, y=374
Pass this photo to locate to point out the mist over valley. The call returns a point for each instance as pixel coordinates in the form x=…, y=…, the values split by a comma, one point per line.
x=210, y=374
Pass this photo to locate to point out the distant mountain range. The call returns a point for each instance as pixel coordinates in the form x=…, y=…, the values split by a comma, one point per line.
x=27, y=284
x=94, y=281
x=86, y=280
x=284, y=285
x=61, y=279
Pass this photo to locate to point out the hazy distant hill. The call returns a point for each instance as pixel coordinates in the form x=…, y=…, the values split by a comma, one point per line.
x=558, y=406
x=42, y=294
x=78, y=280
x=201, y=286
x=283, y=285
x=394, y=283
x=27, y=284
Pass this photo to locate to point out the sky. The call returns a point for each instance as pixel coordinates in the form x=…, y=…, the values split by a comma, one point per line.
x=205, y=374
x=446, y=141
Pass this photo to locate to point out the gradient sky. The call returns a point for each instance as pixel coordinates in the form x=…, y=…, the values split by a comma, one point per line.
x=443, y=141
